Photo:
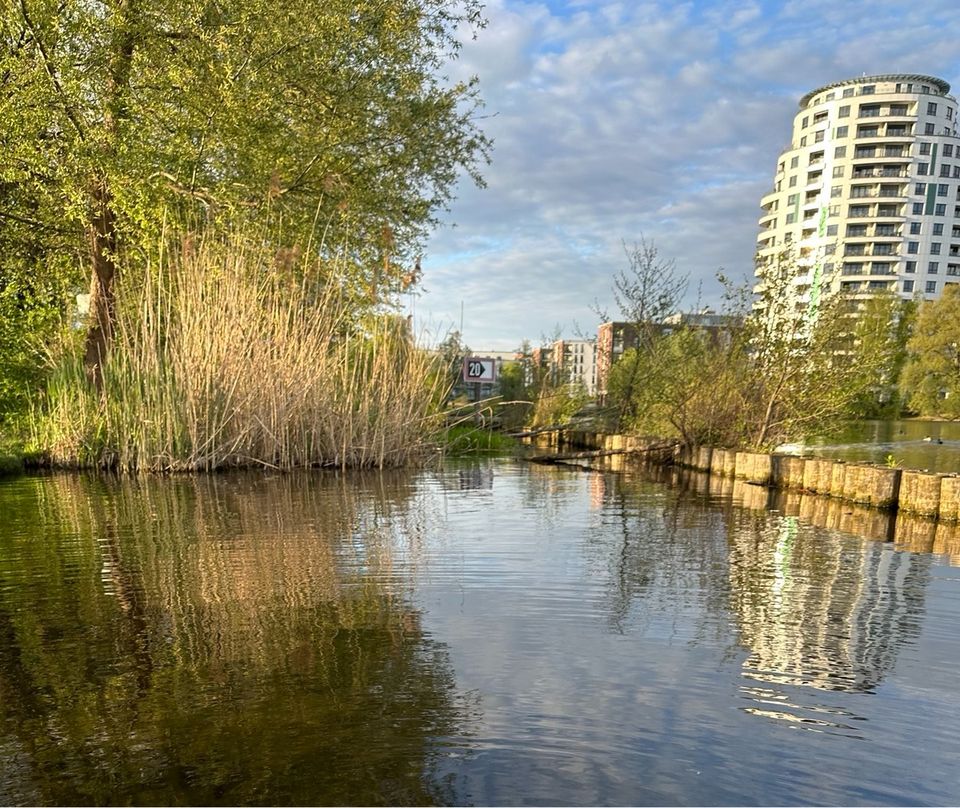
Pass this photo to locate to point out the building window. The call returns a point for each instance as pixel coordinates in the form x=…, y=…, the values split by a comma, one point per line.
x=793, y=181
x=840, y=151
x=924, y=148
x=836, y=191
x=943, y=189
x=791, y=218
x=920, y=188
x=949, y=113
x=908, y=286
x=803, y=123
x=931, y=287
x=913, y=247
x=931, y=108
x=830, y=249
x=803, y=140
x=856, y=230
x=795, y=161
x=938, y=229
x=868, y=89
x=914, y=229
x=898, y=109
x=910, y=267
x=933, y=267
x=918, y=208
x=940, y=210
x=847, y=92
x=844, y=110
x=834, y=210
x=956, y=172
x=948, y=150
x=944, y=169
x=935, y=248
x=867, y=131
x=923, y=169
x=818, y=137
x=831, y=229
x=859, y=211
x=842, y=131
x=929, y=129
x=792, y=199
x=838, y=171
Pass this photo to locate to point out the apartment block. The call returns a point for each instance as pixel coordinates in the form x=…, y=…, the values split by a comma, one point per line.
x=866, y=197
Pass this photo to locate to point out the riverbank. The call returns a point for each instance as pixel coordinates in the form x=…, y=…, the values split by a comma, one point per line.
x=929, y=495
x=10, y=464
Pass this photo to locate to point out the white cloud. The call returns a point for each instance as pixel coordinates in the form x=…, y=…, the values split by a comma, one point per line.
x=615, y=119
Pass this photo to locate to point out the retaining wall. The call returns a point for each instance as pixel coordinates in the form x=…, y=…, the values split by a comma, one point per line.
x=915, y=493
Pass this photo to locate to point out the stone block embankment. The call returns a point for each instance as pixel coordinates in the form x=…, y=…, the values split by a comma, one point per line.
x=916, y=493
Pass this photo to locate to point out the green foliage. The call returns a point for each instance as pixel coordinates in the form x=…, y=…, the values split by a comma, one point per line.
x=464, y=439
x=557, y=403
x=932, y=376
x=784, y=372
x=335, y=119
x=879, y=353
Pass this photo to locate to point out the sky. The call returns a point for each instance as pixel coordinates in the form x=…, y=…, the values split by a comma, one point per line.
x=616, y=121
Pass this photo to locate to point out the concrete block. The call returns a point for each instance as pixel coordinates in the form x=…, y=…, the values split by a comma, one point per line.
x=838, y=471
x=704, y=455
x=920, y=493
x=949, y=499
x=744, y=465
x=878, y=486
x=761, y=468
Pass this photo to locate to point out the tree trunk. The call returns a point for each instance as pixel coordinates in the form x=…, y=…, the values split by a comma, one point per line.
x=102, y=227
x=103, y=245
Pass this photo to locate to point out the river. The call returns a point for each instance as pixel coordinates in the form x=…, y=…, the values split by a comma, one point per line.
x=487, y=632
x=913, y=444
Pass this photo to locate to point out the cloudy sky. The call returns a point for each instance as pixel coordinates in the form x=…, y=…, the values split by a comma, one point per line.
x=616, y=120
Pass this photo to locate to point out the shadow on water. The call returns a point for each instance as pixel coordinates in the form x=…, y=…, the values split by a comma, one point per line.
x=217, y=640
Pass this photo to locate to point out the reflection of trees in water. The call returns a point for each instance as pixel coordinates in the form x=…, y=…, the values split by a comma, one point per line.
x=228, y=639
x=811, y=607
x=662, y=552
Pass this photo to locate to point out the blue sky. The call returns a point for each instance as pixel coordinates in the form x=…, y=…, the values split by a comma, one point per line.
x=616, y=120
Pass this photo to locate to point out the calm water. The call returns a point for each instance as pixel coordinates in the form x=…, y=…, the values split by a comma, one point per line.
x=492, y=633
x=875, y=441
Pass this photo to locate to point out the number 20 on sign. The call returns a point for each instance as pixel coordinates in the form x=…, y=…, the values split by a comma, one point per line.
x=477, y=369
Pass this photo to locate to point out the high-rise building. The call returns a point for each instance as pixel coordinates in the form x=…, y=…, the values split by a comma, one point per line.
x=867, y=195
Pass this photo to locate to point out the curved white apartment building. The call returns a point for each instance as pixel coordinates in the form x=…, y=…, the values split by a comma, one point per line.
x=868, y=191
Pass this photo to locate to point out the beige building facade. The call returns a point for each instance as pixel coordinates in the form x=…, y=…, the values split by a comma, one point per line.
x=866, y=197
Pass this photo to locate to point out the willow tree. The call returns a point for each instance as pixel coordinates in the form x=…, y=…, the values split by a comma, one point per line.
x=334, y=116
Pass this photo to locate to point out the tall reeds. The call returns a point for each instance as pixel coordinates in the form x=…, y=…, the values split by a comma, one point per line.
x=224, y=355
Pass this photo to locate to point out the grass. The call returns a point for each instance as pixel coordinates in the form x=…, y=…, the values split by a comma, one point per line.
x=464, y=440
x=222, y=358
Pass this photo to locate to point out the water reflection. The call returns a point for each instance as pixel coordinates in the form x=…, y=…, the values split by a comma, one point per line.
x=815, y=611
x=492, y=633
x=215, y=640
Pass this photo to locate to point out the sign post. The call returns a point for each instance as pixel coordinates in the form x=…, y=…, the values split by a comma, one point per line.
x=479, y=369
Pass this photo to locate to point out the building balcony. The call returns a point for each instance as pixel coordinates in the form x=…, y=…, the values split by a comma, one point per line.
x=870, y=173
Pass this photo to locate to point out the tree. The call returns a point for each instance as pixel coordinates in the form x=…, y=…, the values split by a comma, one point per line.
x=879, y=352
x=932, y=376
x=648, y=290
x=120, y=116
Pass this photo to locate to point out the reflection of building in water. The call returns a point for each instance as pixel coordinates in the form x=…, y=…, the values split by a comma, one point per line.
x=819, y=610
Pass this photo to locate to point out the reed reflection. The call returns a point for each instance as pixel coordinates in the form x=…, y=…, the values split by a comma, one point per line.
x=217, y=640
